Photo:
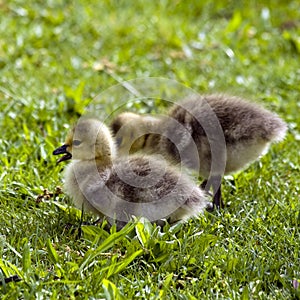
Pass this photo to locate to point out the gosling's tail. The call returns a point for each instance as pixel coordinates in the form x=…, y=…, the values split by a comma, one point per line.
x=275, y=129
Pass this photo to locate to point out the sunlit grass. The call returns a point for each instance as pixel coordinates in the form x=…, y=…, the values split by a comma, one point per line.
x=55, y=58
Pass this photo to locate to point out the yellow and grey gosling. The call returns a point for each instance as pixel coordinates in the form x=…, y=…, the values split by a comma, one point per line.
x=247, y=130
x=118, y=188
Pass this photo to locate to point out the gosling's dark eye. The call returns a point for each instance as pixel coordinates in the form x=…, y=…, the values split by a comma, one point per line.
x=76, y=143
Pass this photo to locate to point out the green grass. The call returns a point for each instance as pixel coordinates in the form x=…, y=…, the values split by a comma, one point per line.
x=55, y=57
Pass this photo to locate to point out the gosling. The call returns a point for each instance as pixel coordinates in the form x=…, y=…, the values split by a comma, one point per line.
x=119, y=188
x=229, y=133
x=137, y=129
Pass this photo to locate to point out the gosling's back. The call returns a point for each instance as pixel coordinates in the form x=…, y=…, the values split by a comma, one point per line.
x=239, y=119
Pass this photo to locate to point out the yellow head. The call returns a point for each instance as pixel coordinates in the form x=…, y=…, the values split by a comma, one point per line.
x=131, y=130
x=88, y=140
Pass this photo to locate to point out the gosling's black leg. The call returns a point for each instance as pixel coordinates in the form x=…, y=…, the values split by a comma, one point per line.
x=217, y=200
x=215, y=183
x=203, y=184
x=206, y=187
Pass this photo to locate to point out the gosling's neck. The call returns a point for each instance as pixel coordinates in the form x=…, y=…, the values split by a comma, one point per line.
x=105, y=152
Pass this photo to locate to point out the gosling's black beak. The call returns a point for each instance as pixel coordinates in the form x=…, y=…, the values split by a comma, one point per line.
x=62, y=150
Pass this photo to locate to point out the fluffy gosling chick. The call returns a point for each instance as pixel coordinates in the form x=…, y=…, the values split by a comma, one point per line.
x=247, y=130
x=139, y=185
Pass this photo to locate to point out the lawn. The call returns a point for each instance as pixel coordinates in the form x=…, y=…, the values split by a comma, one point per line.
x=55, y=58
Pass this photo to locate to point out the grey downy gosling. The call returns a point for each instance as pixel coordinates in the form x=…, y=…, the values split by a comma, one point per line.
x=247, y=128
x=118, y=188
